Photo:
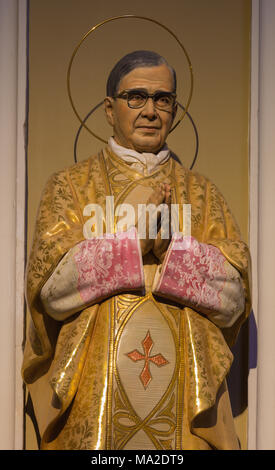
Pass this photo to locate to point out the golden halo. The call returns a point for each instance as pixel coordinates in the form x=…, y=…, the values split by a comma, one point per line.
x=118, y=18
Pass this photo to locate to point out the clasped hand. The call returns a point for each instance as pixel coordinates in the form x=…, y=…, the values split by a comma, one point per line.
x=159, y=245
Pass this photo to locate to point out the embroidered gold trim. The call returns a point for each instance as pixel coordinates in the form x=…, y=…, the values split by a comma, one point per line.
x=153, y=417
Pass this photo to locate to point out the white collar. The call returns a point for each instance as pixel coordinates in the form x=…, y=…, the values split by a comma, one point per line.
x=145, y=163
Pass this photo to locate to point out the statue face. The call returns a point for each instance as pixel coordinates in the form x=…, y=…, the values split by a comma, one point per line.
x=142, y=129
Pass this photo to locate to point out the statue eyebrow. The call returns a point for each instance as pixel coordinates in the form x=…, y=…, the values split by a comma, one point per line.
x=146, y=91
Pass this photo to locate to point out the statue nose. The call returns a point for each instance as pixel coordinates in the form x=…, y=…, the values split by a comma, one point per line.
x=149, y=108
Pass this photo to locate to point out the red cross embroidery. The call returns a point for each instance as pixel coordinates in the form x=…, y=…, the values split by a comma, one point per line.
x=158, y=359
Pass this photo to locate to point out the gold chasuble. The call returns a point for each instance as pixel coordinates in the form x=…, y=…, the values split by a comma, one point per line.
x=135, y=371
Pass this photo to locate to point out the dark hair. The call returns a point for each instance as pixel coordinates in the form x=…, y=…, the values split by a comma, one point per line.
x=132, y=61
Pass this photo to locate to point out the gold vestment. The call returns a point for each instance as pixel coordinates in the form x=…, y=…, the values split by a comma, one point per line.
x=87, y=393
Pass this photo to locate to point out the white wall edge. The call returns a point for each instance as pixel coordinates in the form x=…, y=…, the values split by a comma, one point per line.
x=8, y=148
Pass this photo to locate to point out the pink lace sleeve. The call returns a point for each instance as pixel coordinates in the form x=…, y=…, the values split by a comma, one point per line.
x=199, y=276
x=109, y=265
x=94, y=270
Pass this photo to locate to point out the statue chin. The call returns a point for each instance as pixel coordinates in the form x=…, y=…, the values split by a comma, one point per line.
x=147, y=140
x=147, y=145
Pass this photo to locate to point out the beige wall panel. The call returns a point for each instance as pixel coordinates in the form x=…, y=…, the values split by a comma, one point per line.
x=216, y=34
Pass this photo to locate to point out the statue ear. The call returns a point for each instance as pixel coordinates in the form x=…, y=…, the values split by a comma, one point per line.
x=109, y=109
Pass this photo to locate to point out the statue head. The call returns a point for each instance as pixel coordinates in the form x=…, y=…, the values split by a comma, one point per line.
x=140, y=103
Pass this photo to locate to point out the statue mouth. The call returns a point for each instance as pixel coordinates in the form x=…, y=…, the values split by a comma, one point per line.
x=148, y=127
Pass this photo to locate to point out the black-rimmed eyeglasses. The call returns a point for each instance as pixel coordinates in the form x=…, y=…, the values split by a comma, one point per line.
x=163, y=100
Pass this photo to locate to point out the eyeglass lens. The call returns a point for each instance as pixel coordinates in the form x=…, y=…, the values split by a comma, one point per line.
x=162, y=100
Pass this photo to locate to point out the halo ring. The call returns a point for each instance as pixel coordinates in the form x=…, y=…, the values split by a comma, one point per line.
x=118, y=18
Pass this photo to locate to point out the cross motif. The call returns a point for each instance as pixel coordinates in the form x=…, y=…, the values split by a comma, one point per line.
x=158, y=359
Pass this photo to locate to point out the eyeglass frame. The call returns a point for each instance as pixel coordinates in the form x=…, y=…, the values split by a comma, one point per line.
x=148, y=95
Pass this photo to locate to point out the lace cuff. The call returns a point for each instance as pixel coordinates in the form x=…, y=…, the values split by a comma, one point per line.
x=94, y=270
x=199, y=276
